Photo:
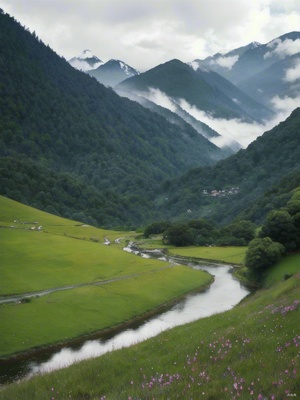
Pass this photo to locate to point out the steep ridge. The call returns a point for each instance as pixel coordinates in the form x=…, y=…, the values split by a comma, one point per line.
x=223, y=191
x=67, y=122
x=113, y=72
x=263, y=71
x=202, y=88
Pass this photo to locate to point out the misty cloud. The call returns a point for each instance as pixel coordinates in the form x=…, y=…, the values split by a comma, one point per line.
x=236, y=130
x=225, y=62
x=160, y=98
x=283, y=48
x=293, y=74
x=145, y=34
x=285, y=105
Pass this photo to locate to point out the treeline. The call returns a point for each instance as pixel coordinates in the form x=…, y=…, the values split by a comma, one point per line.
x=64, y=195
x=202, y=232
x=280, y=234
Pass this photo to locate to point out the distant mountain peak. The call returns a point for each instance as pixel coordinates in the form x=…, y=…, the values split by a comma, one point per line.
x=86, y=61
x=113, y=72
x=254, y=44
x=87, y=54
x=128, y=70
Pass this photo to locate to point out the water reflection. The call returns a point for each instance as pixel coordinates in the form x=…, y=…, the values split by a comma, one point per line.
x=223, y=294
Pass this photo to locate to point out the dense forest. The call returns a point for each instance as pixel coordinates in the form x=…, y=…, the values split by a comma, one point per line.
x=66, y=122
x=71, y=146
x=235, y=184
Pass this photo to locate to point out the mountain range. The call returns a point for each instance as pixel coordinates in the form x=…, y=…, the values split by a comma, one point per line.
x=86, y=61
x=263, y=71
x=62, y=121
x=249, y=84
x=73, y=147
x=109, y=73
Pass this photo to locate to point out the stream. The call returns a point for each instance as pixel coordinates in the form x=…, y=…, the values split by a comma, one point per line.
x=224, y=293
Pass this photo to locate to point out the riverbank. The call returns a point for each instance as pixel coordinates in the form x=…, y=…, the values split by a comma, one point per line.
x=40, y=251
x=62, y=316
x=251, y=351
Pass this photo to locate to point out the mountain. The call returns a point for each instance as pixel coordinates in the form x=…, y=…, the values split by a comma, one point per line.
x=109, y=73
x=61, y=121
x=86, y=61
x=223, y=63
x=113, y=72
x=263, y=71
x=279, y=81
x=200, y=88
x=224, y=191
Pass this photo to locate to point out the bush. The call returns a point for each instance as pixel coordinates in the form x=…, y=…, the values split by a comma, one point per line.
x=262, y=253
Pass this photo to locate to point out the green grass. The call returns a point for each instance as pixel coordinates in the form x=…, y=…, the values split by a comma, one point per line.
x=32, y=260
x=67, y=314
x=249, y=352
x=289, y=265
x=231, y=254
x=19, y=216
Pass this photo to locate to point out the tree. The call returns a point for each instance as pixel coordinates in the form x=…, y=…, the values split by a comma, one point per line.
x=180, y=234
x=280, y=227
x=263, y=252
x=156, y=228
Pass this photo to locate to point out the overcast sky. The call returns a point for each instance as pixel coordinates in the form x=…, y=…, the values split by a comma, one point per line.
x=145, y=33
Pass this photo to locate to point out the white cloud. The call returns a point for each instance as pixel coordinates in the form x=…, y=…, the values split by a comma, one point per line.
x=236, y=130
x=225, y=62
x=147, y=33
x=160, y=98
x=293, y=74
x=285, y=105
x=283, y=48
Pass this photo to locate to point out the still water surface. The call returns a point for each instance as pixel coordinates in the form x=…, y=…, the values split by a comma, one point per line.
x=222, y=295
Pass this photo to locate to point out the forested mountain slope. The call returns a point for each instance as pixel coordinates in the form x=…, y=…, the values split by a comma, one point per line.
x=223, y=191
x=203, y=88
x=66, y=122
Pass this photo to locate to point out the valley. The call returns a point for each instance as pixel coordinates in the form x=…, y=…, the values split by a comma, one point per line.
x=149, y=222
x=103, y=277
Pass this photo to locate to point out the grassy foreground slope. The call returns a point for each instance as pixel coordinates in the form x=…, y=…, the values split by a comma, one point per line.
x=249, y=352
x=112, y=286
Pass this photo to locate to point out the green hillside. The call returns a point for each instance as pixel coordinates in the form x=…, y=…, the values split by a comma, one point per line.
x=85, y=279
x=205, y=89
x=64, y=121
x=250, y=352
x=271, y=161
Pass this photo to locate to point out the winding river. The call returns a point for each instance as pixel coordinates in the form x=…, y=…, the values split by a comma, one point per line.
x=223, y=294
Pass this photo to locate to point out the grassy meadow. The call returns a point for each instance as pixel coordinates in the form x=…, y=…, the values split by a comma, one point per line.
x=249, y=352
x=289, y=265
x=230, y=254
x=224, y=254
x=115, y=286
